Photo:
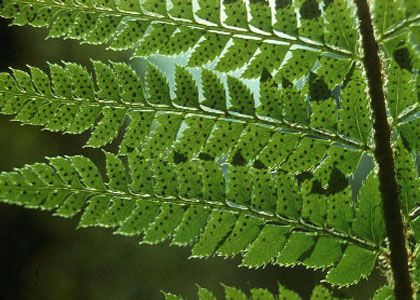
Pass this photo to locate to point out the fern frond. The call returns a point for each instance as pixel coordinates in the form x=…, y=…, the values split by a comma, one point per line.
x=220, y=209
x=150, y=28
x=73, y=102
x=232, y=293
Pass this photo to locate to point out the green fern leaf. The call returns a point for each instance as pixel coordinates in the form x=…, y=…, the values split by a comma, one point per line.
x=355, y=109
x=355, y=264
x=169, y=296
x=187, y=93
x=285, y=17
x=260, y=12
x=384, y=293
x=213, y=90
x=181, y=41
x=311, y=19
x=326, y=252
x=181, y=9
x=238, y=54
x=236, y=13
x=268, y=58
x=340, y=29
x=407, y=177
x=208, y=49
x=386, y=14
x=205, y=294
x=153, y=27
x=174, y=209
x=410, y=131
x=156, y=35
x=266, y=246
x=369, y=220
x=232, y=293
x=73, y=104
x=333, y=70
x=400, y=90
x=154, y=6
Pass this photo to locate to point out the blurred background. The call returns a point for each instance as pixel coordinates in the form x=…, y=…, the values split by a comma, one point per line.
x=45, y=257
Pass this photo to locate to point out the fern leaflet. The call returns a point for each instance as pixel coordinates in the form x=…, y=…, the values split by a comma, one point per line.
x=232, y=293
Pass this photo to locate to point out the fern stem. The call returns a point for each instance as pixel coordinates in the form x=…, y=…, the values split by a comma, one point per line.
x=298, y=224
x=383, y=154
x=276, y=124
x=224, y=30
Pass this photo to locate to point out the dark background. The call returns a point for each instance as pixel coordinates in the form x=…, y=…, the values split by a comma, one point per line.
x=45, y=257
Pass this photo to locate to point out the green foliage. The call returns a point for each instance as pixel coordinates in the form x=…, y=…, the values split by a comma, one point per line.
x=71, y=102
x=205, y=159
x=174, y=205
x=149, y=28
x=232, y=293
